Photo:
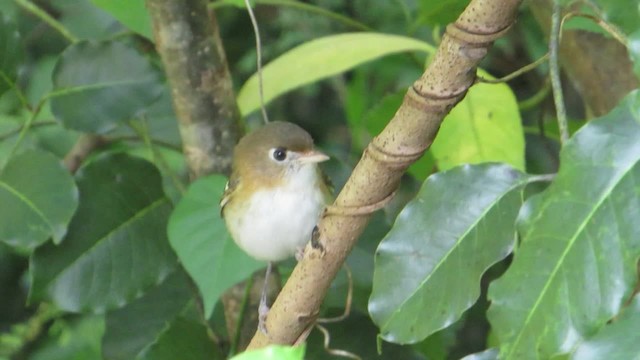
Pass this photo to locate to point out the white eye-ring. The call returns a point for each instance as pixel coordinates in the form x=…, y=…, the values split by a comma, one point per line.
x=279, y=154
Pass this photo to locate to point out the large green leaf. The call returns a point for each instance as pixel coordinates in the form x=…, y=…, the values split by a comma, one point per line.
x=132, y=13
x=185, y=340
x=199, y=236
x=98, y=85
x=116, y=246
x=70, y=338
x=10, y=55
x=273, y=352
x=37, y=199
x=619, y=340
x=580, y=243
x=483, y=127
x=428, y=267
x=319, y=59
x=142, y=322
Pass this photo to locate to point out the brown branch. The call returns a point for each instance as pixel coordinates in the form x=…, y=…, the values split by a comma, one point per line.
x=208, y=117
x=188, y=40
x=83, y=147
x=377, y=175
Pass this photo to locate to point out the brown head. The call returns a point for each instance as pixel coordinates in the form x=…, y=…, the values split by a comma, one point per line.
x=271, y=151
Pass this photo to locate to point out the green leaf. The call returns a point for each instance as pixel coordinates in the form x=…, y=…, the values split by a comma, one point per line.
x=71, y=339
x=98, y=85
x=135, y=327
x=273, y=352
x=37, y=199
x=132, y=13
x=184, y=340
x=461, y=222
x=580, y=244
x=618, y=340
x=116, y=246
x=11, y=55
x=438, y=12
x=199, y=236
x=484, y=127
x=320, y=59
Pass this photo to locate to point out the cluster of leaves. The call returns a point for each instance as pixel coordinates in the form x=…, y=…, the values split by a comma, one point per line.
x=125, y=261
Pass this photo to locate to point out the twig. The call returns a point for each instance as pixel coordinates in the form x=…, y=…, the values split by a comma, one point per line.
x=141, y=131
x=25, y=128
x=44, y=16
x=256, y=32
x=335, y=352
x=554, y=69
x=19, y=129
x=347, y=307
x=516, y=73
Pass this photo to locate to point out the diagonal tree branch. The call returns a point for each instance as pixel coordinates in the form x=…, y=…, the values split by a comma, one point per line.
x=377, y=175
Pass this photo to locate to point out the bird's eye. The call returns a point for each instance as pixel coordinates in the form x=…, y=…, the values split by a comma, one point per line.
x=279, y=154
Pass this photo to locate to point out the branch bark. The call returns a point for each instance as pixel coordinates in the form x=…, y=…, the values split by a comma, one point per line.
x=188, y=40
x=208, y=117
x=377, y=175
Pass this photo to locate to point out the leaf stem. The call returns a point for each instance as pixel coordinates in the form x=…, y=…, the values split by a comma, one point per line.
x=44, y=16
x=21, y=97
x=256, y=32
x=554, y=69
x=141, y=131
x=24, y=129
x=19, y=129
x=516, y=73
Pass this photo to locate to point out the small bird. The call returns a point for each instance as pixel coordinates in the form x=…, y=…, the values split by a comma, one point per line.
x=275, y=195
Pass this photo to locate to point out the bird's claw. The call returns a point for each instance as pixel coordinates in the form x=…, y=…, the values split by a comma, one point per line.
x=315, y=239
x=263, y=311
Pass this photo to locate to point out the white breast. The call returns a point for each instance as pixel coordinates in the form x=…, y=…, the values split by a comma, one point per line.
x=276, y=222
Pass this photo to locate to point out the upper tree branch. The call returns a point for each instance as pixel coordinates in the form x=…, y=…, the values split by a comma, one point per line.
x=194, y=60
x=377, y=175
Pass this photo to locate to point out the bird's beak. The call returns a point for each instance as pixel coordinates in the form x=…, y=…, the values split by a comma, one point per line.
x=313, y=156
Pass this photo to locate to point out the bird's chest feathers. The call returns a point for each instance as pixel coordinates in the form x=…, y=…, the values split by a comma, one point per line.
x=279, y=219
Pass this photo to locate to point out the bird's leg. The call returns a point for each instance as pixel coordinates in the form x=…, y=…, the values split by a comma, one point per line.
x=263, y=308
x=315, y=240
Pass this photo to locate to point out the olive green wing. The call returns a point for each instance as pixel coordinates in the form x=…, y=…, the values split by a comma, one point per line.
x=231, y=186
